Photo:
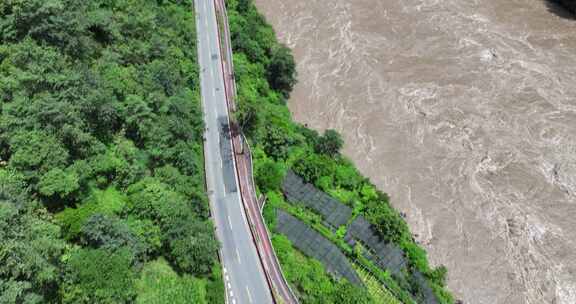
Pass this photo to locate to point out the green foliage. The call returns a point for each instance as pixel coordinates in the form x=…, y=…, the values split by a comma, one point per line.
x=341, y=232
x=269, y=211
x=417, y=256
x=383, y=276
x=269, y=176
x=250, y=33
x=191, y=187
x=215, y=291
x=193, y=247
x=281, y=71
x=154, y=200
x=276, y=142
x=314, y=166
x=438, y=276
x=99, y=100
x=112, y=234
x=35, y=153
x=58, y=182
x=13, y=188
x=147, y=231
x=30, y=247
x=98, y=276
x=387, y=221
x=346, y=176
x=190, y=243
x=159, y=283
x=329, y=144
x=247, y=117
x=108, y=202
x=121, y=164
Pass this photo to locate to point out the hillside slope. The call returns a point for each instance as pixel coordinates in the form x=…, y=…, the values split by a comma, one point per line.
x=101, y=166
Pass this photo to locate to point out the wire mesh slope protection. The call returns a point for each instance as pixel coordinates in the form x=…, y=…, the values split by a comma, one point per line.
x=297, y=191
x=385, y=255
x=313, y=244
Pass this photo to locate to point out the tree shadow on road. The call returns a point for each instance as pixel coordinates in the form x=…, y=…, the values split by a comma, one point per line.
x=556, y=8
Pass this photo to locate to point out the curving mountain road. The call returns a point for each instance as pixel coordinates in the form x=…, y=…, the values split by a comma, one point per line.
x=243, y=273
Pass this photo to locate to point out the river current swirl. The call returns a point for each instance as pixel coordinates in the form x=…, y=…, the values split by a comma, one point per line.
x=465, y=113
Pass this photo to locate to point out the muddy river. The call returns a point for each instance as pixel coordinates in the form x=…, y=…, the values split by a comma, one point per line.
x=465, y=113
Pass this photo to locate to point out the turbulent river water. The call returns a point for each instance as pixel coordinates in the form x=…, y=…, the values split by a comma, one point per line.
x=464, y=111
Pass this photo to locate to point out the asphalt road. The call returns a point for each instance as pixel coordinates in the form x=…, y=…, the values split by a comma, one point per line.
x=243, y=274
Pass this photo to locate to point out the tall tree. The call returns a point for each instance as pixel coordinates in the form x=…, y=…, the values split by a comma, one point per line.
x=330, y=143
x=282, y=70
x=30, y=251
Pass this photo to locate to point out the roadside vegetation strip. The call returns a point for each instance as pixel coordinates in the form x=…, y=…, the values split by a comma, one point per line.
x=266, y=73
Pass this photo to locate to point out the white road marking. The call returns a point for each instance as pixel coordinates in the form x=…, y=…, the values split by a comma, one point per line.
x=207, y=25
x=249, y=295
x=243, y=215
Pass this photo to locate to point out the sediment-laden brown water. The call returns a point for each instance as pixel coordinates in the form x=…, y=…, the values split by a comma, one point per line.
x=465, y=113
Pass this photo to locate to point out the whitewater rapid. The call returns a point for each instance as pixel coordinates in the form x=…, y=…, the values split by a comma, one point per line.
x=465, y=113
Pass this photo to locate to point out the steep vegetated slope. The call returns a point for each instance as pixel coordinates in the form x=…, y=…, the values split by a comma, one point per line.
x=265, y=73
x=101, y=168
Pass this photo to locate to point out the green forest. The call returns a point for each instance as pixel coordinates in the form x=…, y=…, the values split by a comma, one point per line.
x=265, y=73
x=101, y=169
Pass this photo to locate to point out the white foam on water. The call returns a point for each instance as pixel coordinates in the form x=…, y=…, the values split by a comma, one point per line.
x=464, y=112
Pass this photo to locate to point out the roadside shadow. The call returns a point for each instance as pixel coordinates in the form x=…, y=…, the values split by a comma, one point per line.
x=560, y=10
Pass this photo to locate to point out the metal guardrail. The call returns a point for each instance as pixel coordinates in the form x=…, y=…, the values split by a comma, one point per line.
x=220, y=7
x=245, y=141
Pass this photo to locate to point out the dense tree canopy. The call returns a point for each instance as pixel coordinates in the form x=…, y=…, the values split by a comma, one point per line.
x=282, y=70
x=329, y=144
x=101, y=166
x=30, y=250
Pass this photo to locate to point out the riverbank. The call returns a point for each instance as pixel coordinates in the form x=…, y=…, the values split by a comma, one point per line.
x=264, y=72
x=464, y=113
